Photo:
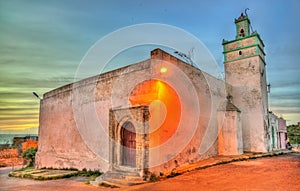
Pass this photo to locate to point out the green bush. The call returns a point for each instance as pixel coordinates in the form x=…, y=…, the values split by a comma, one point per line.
x=29, y=155
x=108, y=185
x=293, y=132
x=173, y=174
x=89, y=173
x=154, y=178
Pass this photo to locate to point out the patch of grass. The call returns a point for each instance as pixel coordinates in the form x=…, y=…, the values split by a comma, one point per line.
x=108, y=185
x=267, y=155
x=35, y=174
x=51, y=168
x=154, y=178
x=24, y=169
x=253, y=157
x=89, y=173
x=221, y=162
x=84, y=173
x=75, y=169
x=173, y=174
x=39, y=178
x=27, y=176
x=87, y=182
x=202, y=167
x=54, y=177
x=38, y=172
x=238, y=159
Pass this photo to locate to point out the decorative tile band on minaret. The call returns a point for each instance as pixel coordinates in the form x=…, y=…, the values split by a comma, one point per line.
x=245, y=44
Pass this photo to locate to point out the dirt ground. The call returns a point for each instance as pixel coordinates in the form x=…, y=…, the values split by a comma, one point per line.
x=274, y=173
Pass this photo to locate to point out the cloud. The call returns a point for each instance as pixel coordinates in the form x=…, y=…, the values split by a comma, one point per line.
x=19, y=121
x=23, y=117
x=17, y=130
x=285, y=96
x=7, y=110
x=287, y=111
x=14, y=95
x=43, y=42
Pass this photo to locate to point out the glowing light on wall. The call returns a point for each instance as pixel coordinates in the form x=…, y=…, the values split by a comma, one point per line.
x=164, y=106
x=163, y=70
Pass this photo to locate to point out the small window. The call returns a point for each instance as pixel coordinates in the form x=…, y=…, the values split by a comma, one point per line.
x=242, y=32
x=240, y=52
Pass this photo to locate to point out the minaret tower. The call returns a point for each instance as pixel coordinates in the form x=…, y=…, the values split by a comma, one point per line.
x=244, y=61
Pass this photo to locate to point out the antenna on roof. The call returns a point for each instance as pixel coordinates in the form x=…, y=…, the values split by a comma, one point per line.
x=186, y=57
x=36, y=95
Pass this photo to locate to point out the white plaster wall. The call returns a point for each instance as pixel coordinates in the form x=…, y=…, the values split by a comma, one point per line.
x=283, y=132
x=230, y=134
x=273, y=124
x=199, y=141
x=60, y=144
x=74, y=119
x=245, y=78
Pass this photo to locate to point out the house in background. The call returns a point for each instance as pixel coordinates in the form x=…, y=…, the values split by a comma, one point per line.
x=282, y=133
x=278, y=132
x=274, y=131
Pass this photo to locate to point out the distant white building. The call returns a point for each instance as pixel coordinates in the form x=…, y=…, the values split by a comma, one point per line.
x=282, y=133
x=273, y=132
x=277, y=132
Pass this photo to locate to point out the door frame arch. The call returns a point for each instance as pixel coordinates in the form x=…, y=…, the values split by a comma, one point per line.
x=139, y=117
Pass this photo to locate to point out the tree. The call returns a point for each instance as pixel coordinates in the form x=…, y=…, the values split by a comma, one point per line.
x=294, y=134
x=29, y=155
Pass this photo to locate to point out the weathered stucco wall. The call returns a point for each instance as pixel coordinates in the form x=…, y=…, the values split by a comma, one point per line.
x=60, y=144
x=198, y=135
x=74, y=119
x=230, y=134
x=283, y=133
x=250, y=97
x=244, y=61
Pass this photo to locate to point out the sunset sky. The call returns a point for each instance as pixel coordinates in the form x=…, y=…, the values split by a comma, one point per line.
x=43, y=42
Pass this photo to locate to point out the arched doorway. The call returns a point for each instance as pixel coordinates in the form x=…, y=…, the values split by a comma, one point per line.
x=128, y=140
x=129, y=143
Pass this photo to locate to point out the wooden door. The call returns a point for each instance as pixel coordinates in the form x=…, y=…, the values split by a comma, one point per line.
x=129, y=145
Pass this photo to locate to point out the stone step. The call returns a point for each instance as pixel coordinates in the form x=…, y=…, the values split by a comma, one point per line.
x=123, y=175
x=125, y=172
x=118, y=179
x=122, y=182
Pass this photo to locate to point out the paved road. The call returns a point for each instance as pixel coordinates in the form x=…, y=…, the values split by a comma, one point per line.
x=279, y=173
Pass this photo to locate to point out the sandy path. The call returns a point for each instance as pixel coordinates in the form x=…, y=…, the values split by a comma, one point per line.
x=274, y=173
